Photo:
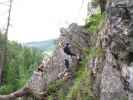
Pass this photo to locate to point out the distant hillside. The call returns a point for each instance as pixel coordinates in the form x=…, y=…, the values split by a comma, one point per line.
x=42, y=45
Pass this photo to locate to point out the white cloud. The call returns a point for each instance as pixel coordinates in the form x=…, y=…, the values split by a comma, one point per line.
x=36, y=20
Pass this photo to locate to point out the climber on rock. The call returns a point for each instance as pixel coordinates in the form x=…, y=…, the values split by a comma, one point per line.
x=67, y=50
x=68, y=54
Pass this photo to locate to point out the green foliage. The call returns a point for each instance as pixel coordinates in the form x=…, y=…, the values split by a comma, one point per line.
x=54, y=87
x=57, y=89
x=5, y=89
x=81, y=90
x=82, y=87
x=50, y=98
x=125, y=98
x=21, y=62
x=93, y=22
x=61, y=94
x=93, y=52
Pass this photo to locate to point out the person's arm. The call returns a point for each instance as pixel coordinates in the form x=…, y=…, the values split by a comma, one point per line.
x=72, y=54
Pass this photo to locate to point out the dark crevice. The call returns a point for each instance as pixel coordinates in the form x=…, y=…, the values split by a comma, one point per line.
x=130, y=57
x=115, y=56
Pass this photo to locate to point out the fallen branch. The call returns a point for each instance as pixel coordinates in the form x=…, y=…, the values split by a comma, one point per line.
x=12, y=96
x=22, y=92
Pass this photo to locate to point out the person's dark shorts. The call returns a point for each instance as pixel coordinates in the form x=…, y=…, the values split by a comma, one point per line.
x=66, y=63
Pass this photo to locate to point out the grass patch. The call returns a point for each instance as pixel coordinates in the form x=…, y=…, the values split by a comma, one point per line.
x=81, y=90
x=54, y=87
x=94, y=22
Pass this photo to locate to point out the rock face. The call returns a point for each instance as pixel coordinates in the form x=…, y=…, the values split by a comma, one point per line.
x=78, y=39
x=112, y=68
x=74, y=35
x=116, y=40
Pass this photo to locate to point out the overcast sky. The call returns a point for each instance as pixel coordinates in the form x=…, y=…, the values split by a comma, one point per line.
x=37, y=20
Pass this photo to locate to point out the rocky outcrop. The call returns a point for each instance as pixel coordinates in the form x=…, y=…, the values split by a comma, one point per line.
x=79, y=39
x=116, y=41
x=75, y=35
x=112, y=71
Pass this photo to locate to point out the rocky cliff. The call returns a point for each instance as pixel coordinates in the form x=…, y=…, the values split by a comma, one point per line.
x=111, y=71
x=116, y=41
x=79, y=39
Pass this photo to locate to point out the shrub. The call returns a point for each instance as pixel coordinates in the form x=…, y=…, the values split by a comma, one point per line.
x=93, y=22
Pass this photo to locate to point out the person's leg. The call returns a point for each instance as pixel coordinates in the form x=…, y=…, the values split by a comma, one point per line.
x=66, y=63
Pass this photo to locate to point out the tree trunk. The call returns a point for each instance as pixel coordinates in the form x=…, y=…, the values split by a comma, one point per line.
x=1, y=63
x=3, y=49
x=2, y=52
x=6, y=31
